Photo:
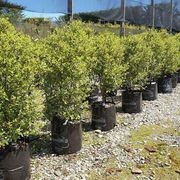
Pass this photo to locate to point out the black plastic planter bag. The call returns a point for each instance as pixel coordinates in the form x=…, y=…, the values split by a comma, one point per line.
x=132, y=101
x=178, y=76
x=151, y=92
x=103, y=116
x=174, y=80
x=15, y=163
x=165, y=85
x=66, y=136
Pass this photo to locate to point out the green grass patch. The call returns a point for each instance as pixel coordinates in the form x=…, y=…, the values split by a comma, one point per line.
x=120, y=120
x=145, y=132
x=90, y=138
x=162, y=161
x=110, y=171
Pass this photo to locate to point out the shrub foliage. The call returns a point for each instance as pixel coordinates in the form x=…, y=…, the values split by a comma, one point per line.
x=68, y=62
x=109, y=67
x=21, y=103
x=67, y=55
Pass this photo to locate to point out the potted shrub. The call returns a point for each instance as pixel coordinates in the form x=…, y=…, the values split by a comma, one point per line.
x=153, y=40
x=109, y=69
x=137, y=55
x=21, y=103
x=169, y=63
x=177, y=43
x=66, y=84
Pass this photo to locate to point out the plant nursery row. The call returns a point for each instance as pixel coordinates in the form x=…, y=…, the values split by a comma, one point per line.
x=58, y=77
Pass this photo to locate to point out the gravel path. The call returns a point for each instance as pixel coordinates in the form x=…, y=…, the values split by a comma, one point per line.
x=111, y=152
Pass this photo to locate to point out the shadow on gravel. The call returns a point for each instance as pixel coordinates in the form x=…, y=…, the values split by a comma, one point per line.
x=86, y=126
x=119, y=109
x=40, y=146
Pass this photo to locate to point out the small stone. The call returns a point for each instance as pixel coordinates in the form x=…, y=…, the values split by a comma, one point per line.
x=151, y=177
x=98, y=131
x=177, y=171
x=128, y=149
x=118, y=170
x=110, y=170
x=151, y=149
x=100, y=136
x=136, y=171
x=167, y=164
x=125, y=124
x=57, y=173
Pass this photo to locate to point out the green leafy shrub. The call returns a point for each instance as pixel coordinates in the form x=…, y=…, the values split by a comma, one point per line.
x=21, y=103
x=67, y=53
x=153, y=40
x=177, y=44
x=5, y=26
x=137, y=56
x=170, y=57
x=109, y=67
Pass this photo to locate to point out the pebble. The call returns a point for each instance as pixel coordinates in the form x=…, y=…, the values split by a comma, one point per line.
x=98, y=131
x=50, y=166
x=136, y=171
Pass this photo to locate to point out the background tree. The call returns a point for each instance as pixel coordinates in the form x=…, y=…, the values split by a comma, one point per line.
x=12, y=11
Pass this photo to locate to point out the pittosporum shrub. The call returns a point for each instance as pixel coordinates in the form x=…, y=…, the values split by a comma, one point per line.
x=21, y=103
x=109, y=67
x=177, y=44
x=67, y=53
x=153, y=40
x=170, y=57
x=5, y=26
x=137, y=56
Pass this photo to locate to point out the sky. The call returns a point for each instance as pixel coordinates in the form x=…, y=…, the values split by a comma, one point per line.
x=42, y=15
x=45, y=7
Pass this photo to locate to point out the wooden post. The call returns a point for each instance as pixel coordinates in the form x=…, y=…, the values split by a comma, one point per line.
x=171, y=17
x=153, y=13
x=70, y=9
x=122, y=24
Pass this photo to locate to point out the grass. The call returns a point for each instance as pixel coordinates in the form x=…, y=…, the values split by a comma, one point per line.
x=129, y=29
x=110, y=171
x=162, y=160
x=145, y=132
x=120, y=120
x=92, y=139
x=43, y=30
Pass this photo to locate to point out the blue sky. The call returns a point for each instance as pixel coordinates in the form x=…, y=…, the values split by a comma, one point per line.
x=44, y=15
x=45, y=7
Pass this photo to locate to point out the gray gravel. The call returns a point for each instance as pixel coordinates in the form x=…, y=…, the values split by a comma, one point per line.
x=49, y=166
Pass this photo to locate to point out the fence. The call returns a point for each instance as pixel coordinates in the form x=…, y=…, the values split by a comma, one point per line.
x=152, y=13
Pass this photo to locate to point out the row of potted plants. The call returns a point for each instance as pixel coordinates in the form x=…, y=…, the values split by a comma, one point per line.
x=21, y=101
x=54, y=77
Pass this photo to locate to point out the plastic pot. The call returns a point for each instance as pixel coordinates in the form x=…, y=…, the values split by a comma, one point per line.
x=165, y=85
x=174, y=80
x=151, y=92
x=15, y=163
x=103, y=116
x=94, y=96
x=179, y=76
x=131, y=101
x=66, y=136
